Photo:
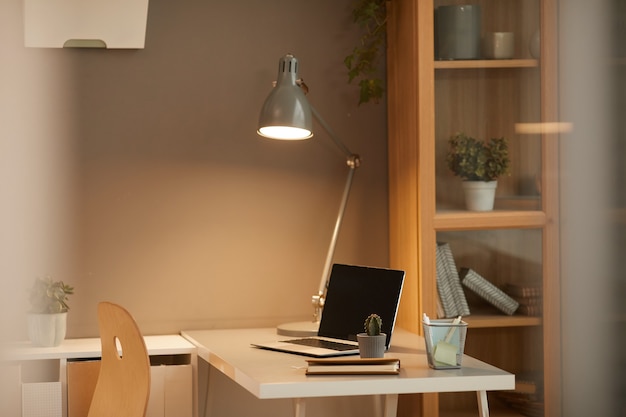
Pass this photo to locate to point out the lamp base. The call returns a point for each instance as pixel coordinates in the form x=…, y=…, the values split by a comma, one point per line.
x=298, y=329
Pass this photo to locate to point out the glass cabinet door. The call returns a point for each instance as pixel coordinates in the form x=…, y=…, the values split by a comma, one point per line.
x=487, y=97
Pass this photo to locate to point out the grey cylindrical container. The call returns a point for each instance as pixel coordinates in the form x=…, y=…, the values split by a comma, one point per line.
x=457, y=32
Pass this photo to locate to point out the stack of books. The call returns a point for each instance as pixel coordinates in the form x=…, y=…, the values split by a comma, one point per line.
x=353, y=366
x=529, y=296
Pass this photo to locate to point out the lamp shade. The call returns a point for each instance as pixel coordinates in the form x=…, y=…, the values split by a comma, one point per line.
x=286, y=113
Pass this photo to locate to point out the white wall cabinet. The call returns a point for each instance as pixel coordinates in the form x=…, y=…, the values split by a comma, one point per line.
x=80, y=23
x=59, y=381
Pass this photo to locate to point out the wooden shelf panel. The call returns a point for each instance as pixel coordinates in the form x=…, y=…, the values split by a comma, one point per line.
x=475, y=321
x=487, y=63
x=497, y=219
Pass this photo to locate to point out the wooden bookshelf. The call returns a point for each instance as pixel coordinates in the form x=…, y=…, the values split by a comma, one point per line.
x=431, y=99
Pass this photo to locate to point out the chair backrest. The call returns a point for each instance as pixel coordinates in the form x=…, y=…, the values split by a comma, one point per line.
x=123, y=385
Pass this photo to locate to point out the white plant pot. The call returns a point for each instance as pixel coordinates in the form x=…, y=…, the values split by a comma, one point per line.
x=480, y=195
x=371, y=346
x=47, y=329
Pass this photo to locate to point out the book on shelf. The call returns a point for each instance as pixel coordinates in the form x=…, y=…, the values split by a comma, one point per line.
x=489, y=292
x=529, y=301
x=449, y=288
x=530, y=310
x=529, y=296
x=530, y=307
x=524, y=290
x=353, y=366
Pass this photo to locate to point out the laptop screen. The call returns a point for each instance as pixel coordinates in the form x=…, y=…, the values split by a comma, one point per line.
x=355, y=292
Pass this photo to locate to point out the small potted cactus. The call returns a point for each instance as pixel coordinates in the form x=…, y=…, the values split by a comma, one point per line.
x=372, y=342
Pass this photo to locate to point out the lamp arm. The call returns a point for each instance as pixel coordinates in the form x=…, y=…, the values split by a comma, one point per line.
x=333, y=242
x=331, y=133
x=353, y=161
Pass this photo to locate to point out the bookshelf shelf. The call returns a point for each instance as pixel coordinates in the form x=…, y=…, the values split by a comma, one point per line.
x=497, y=219
x=475, y=321
x=487, y=63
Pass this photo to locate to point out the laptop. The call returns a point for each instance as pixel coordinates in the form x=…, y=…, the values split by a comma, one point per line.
x=354, y=292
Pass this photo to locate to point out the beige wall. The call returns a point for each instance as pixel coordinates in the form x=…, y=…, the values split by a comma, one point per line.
x=137, y=175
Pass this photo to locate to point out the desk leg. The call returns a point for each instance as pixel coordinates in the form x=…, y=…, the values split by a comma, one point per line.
x=391, y=405
x=299, y=407
x=483, y=405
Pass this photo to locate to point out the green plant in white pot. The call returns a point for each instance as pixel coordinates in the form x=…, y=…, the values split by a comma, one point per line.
x=48, y=315
x=372, y=341
x=479, y=163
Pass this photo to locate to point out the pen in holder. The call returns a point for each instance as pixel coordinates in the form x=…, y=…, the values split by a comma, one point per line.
x=445, y=342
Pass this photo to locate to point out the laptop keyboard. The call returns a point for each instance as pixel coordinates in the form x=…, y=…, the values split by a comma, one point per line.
x=321, y=343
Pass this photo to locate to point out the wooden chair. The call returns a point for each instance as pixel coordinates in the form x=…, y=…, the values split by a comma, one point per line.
x=123, y=385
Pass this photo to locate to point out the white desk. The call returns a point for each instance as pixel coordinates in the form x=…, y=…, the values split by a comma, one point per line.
x=268, y=374
x=91, y=348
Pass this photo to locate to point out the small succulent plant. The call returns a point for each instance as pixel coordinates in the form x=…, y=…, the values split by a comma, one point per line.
x=373, y=324
x=49, y=297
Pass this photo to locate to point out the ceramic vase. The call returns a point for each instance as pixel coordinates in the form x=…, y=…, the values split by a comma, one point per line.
x=457, y=32
x=47, y=330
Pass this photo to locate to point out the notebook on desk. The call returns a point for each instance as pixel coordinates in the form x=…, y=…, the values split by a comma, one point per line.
x=353, y=293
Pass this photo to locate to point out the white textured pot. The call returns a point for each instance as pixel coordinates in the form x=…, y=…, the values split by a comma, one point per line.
x=371, y=346
x=480, y=195
x=47, y=329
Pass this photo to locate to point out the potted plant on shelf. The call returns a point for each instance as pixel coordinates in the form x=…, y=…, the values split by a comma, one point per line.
x=48, y=315
x=372, y=341
x=479, y=164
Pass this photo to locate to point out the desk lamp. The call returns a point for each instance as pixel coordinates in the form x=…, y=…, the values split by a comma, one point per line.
x=287, y=115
